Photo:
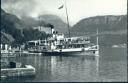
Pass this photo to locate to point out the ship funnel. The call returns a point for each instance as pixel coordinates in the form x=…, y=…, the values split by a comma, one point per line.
x=51, y=26
x=53, y=31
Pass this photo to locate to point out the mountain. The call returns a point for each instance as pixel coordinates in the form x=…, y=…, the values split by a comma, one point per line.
x=59, y=25
x=103, y=23
x=15, y=31
x=112, y=29
x=8, y=27
x=32, y=22
x=6, y=38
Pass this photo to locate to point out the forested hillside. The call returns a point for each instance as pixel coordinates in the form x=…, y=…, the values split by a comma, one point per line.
x=15, y=31
x=112, y=29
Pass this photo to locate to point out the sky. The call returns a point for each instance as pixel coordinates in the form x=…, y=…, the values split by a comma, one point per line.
x=77, y=9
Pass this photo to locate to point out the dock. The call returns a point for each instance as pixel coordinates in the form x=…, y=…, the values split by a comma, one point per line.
x=28, y=70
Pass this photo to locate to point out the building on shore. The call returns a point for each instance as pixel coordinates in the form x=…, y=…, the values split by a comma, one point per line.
x=42, y=28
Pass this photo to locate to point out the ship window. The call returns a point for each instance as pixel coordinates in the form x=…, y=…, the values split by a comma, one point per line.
x=59, y=47
x=44, y=47
x=31, y=43
x=77, y=46
x=42, y=41
x=69, y=46
x=37, y=43
x=69, y=39
x=74, y=46
x=82, y=45
x=61, y=41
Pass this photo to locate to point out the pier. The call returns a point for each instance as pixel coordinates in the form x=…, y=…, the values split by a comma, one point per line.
x=11, y=68
x=28, y=70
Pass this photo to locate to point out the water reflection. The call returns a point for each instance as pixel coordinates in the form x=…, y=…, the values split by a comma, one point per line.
x=72, y=68
x=63, y=68
x=113, y=65
x=107, y=67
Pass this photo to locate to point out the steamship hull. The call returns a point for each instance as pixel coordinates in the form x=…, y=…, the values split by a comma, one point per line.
x=73, y=52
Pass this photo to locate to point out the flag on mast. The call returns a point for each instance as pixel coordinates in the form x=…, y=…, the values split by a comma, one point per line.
x=61, y=7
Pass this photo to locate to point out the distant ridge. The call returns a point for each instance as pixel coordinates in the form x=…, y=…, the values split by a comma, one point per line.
x=103, y=23
x=112, y=29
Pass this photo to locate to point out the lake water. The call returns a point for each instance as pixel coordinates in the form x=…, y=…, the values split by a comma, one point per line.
x=111, y=66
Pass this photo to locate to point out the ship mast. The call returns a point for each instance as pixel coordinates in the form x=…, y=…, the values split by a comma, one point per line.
x=39, y=26
x=67, y=18
x=97, y=40
x=39, y=22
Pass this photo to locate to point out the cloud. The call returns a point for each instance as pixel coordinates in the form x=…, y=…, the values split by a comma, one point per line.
x=77, y=9
x=9, y=1
x=19, y=7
